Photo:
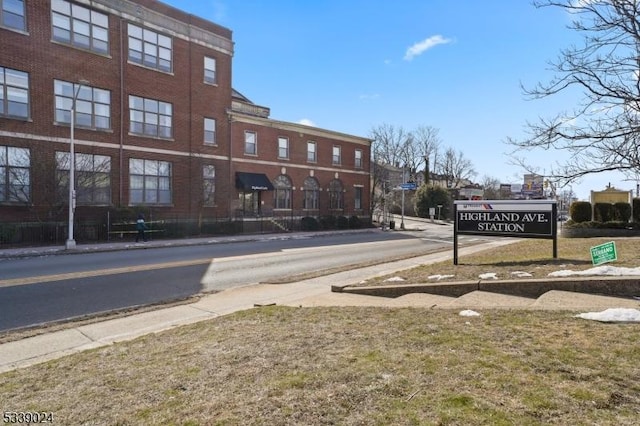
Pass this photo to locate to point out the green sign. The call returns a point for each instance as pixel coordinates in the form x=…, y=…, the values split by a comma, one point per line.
x=604, y=253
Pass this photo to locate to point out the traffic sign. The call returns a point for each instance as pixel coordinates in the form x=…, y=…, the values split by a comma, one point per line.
x=408, y=185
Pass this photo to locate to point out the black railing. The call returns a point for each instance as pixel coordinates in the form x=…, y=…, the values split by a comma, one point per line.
x=112, y=228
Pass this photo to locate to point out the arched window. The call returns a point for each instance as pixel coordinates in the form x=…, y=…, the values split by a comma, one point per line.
x=311, y=194
x=282, y=192
x=336, y=195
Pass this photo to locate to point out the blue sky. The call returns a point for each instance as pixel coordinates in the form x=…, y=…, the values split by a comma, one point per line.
x=352, y=65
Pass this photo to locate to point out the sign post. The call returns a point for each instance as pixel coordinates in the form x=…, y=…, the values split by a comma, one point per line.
x=506, y=218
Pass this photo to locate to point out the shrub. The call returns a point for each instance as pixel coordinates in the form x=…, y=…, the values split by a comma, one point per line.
x=622, y=212
x=603, y=212
x=431, y=197
x=636, y=210
x=309, y=223
x=327, y=222
x=355, y=222
x=580, y=211
x=342, y=222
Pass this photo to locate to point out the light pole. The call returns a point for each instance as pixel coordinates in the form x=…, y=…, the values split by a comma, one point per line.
x=71, y=243
x=403, y=189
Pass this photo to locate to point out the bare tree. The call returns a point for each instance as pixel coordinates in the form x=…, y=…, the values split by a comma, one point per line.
x=602, y=132
x=425, y=149
x=456, y=168
x=491, y=187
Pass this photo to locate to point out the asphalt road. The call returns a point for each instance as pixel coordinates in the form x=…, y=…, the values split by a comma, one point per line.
x=39, y=290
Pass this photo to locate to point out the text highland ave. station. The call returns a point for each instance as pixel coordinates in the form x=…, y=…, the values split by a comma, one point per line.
x=504, y=222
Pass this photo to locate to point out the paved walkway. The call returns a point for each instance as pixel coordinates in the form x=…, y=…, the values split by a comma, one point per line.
x=310, y=292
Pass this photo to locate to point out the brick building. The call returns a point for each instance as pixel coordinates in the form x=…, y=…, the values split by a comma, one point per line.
x=157, y=124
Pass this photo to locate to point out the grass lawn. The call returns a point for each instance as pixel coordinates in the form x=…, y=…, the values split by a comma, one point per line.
x=360, y=366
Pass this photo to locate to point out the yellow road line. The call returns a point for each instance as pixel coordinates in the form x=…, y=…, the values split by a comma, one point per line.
x=101, y=272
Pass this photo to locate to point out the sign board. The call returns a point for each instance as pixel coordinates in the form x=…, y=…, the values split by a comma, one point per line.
x=409, y=185
x=604, y=253
x=506, y=218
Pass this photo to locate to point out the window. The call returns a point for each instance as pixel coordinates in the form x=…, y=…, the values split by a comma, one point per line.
x=336, y=196
x=337, y=157
x=15, y=174
x=208, y=184
x=150, y=117
x=150, y=182
x=250, y=143
x=149, y=48
x=210, y=70
x=358, y=159
x=92, y=109
x=311, y=152
x=79, y=26
x=283, y=147
x=357, y=200
x=92, y=178
x=311, y=190
x=209, y=131
x=12, y=14
x=282, y=192
x=14, y=93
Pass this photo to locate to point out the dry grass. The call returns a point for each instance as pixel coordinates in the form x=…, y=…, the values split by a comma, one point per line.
x=348, y=366
x=532, y=256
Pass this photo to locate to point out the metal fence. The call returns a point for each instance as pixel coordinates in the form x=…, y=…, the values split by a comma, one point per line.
x=114, y=228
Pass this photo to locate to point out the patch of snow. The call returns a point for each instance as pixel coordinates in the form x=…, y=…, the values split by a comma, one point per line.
x=394, y=279
x=521, y=274
x=469, y=313
x=613, y=315
x=598, y=270
x=439, y=277
x=488, y=276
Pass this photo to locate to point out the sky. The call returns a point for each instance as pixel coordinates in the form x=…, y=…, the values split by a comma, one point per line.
x=353, y=65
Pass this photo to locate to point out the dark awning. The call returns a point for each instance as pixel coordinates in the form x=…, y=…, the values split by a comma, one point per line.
x=253, y=182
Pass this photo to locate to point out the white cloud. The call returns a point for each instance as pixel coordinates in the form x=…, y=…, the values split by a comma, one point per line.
x=307, y=122
x=422, y=46
x=366, y=97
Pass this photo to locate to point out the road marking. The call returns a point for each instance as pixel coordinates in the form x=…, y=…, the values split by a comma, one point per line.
x=101, y=272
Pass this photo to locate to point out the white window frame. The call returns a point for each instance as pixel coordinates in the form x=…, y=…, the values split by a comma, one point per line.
x=79, y=26
x=8, y=15
x=358, y=163
x=92, y=177
x=209, y=131
x=336, y=155
x=210, y=73
x=283, y=147
x=150, y=48
x=15, y=174
x=147, y=117
x=250, y=142
x=312, y=152
x=152, y=180
x=14, y=93
x=92, y=109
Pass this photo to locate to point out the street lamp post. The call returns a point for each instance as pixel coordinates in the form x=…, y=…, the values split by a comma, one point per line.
x=403, y=189
x=71, y=242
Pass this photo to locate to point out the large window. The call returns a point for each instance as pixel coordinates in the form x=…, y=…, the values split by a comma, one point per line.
x=311, y=190
x=210, y=75
x=336, y=158
x=80, y=26
x=92, y=177
x=15, y=174
x=311, y=152
x=282, y=192
x=92, y=109
x=12, y=14
x=209, y=131
x=250, y=143
x=150, y=48
x=14, y=93
x=336, y=195
x=150, y=182
x=208, y=184
x=283, y=147
x=150, y=117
